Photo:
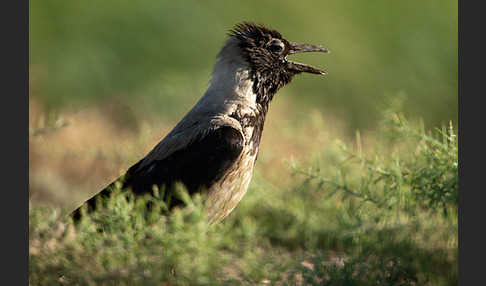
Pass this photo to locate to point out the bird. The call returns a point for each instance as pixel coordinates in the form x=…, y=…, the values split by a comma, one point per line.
x=214, y=147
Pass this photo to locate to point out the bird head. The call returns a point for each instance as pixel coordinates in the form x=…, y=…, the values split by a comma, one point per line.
x=266, y=52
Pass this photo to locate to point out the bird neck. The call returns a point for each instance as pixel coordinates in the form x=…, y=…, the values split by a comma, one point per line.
x=236, y=92
x=234, y=80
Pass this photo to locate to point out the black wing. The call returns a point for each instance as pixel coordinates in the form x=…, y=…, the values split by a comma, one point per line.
x=197, y=165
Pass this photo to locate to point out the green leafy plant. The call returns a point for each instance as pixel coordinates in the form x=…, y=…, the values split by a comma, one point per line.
x=359, y=215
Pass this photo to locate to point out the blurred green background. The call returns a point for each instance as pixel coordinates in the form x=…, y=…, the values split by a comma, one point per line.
x=158, y=55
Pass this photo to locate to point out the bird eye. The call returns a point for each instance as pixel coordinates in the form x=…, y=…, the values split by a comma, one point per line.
x=276, y=46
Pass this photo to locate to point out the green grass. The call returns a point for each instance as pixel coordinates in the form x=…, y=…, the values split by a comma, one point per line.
x=355, y=215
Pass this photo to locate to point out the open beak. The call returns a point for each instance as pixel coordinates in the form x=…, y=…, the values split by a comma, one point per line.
x=304, y=48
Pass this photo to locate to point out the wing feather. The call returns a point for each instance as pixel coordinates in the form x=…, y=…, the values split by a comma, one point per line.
x=198, y=164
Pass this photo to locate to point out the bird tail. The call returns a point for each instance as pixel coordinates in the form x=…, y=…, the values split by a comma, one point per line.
x=92, y=203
